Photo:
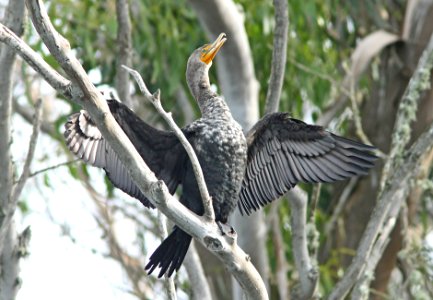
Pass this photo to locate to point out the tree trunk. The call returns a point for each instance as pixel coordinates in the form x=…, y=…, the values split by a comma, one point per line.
x=396, y=66
x=9, y=258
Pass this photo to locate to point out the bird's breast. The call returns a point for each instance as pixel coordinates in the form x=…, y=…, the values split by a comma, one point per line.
x=222, y=151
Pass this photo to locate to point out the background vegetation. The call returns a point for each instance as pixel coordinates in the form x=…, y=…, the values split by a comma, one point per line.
x=324, y=36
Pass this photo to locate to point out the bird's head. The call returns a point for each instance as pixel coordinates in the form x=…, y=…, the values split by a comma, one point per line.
x=209, y=51
x=199, y=63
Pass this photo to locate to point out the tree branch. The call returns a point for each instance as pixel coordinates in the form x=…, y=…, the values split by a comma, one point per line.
x=308, y=274
x=207, y=233
x=199, y=285
x=30, y=153
x=123, y=51
x=298, y=201
x=280, y=252
x=198, y=172
x=396, y=170
x=57, y=81
x=279, y=56
x=53, y=167
x=168, y=281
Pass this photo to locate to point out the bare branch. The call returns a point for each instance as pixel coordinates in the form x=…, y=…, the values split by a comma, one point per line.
x=279, y=55
x=308, y=274
x=168, y=281
x=198, y=172
x=56, y=80
x=360, y=290
x=280, y=249
x=30, y=153
x=123, y=50
x=199, y=285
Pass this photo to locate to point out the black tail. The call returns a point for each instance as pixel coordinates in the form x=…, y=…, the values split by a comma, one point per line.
x=170, y=254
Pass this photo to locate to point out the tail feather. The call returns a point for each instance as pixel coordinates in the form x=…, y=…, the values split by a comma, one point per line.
x=170, y=254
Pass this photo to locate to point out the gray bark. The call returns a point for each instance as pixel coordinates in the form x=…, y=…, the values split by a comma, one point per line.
x=9, y=259
x=199, y=285
x=124, y=50
x=279, y=56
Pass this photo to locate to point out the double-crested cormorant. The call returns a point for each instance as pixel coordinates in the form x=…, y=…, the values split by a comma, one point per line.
x=277, y=153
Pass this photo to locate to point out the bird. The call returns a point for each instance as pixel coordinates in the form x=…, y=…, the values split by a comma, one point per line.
x=244, y=170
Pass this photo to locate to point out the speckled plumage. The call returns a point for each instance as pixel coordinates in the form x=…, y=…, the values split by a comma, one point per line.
x=221, y=148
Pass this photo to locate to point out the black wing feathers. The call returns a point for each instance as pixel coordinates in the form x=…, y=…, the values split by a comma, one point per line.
x=284, y=151
x=159, y=149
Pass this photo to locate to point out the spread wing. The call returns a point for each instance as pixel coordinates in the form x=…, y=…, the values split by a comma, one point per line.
x=159, y=149
x=284, y=151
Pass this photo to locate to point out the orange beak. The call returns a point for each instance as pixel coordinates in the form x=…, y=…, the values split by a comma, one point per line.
x=210, y=50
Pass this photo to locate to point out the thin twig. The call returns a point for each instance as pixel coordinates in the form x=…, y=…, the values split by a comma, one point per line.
x=357, y=120
x=340, y=205
x=56, y=80
x=54, y=167
x=279, y=55
x=155, y=100
x=30, y=153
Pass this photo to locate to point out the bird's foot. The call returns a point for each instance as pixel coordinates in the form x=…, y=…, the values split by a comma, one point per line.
x=228, y=231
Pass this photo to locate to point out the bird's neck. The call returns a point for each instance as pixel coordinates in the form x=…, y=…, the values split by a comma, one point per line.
x=213, y=106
